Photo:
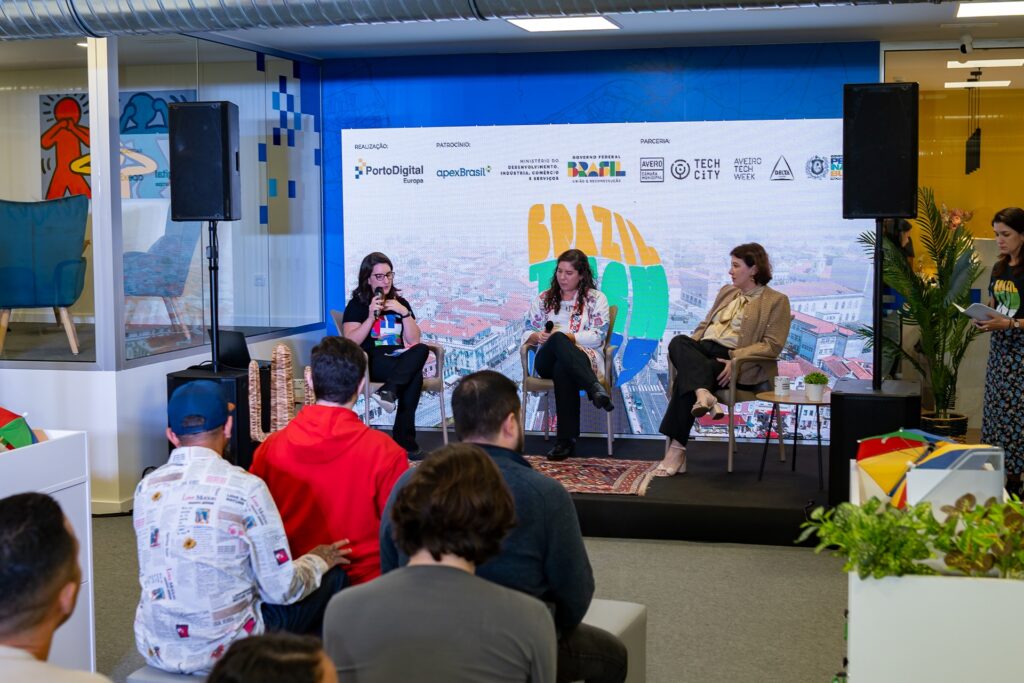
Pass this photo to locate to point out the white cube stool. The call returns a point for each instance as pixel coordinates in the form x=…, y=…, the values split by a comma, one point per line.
x=628, y=621
x=148, y=674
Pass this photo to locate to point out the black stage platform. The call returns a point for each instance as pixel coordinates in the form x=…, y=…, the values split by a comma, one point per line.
x=706, y=503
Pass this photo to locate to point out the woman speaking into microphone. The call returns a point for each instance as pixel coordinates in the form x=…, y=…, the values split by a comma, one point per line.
x=569, y=322
x=1002, y=417
x=382, y=322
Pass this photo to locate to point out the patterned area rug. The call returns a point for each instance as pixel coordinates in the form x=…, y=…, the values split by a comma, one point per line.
x=606, y=476
x=598, y=475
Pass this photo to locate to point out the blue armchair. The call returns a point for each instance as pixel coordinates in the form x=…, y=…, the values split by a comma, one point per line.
x=163, y=269
x=41, y=262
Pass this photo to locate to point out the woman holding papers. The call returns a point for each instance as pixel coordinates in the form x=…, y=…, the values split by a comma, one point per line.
x=382, y=322
x=748, y=318
x=569, y=323
x=1003, y=419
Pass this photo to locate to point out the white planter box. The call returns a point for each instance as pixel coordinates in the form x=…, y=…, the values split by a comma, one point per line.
x=932, y=628
x=60, y=467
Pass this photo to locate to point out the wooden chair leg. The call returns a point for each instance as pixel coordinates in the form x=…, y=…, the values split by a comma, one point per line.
x=547, y=414
x=522, y=417
x=176, y=318
x=56, y=315
x=732, y=437
x=5, y=320
x=444, y=416
x=69, y=328
x=366, y=397
x=608, y=417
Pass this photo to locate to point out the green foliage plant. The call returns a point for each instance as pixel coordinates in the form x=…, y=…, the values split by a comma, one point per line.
x=877, y=540
x=929, y=300
x=979, y=539
x=874, y=539
x=815, y=378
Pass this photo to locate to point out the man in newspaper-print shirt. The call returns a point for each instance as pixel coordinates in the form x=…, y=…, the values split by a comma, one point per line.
x=214, y=561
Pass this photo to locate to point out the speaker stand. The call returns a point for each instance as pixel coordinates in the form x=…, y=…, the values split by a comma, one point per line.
x=213, y=257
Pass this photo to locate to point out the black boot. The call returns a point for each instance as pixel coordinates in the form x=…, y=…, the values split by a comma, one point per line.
x=600, y=398
x=562, y=450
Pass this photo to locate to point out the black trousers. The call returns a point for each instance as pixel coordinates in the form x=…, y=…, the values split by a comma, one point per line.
x=305, y=617
x=402, y=374
x=697, y=367
x=587, y=653
x=561, y=361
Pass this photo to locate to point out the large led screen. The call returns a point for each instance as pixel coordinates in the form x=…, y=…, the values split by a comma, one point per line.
x=474, y=217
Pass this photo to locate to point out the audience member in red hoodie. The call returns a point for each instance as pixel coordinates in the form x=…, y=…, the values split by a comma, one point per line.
x=330, y=474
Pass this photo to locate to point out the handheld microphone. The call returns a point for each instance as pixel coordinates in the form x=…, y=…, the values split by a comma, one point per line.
x=548, y=326
x=378, y=292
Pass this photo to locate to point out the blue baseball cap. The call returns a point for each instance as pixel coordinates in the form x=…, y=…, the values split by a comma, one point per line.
x=202, y=399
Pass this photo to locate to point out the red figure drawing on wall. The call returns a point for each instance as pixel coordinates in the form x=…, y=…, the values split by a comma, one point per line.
x=68, y=136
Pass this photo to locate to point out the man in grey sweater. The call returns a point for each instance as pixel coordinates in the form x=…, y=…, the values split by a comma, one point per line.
x=544, y=555
x=433, y=620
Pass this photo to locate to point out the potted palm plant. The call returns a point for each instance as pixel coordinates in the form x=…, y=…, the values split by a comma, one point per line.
x=929, y=301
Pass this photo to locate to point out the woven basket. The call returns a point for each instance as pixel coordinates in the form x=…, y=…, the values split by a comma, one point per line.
x=954, y=427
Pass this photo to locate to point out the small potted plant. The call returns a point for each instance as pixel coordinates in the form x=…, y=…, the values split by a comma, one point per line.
x=814, y=385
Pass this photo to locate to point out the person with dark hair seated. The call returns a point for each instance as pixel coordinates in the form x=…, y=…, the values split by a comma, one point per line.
x=433, y=620
x=274, y=658
x=39, y=582
x=214, y=561
x=748, y=318
x=382, y=322
x=329, y=473
x=569, y=323
x=544, y=555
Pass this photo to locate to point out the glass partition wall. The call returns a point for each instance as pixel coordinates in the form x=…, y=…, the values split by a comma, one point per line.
x=270, y=260
x=47, y=309
x=270, y=276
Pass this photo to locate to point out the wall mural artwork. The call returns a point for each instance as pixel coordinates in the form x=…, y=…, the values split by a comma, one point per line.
x=145, y=170
x=64, y=144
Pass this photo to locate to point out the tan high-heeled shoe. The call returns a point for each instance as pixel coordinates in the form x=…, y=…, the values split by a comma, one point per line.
x=707, y=403
x=663, y=470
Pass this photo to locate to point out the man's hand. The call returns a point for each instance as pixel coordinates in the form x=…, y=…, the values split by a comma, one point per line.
x=726, y=373
x=333, y=554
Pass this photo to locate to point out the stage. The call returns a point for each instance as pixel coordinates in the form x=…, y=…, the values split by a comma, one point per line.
x=704, y=504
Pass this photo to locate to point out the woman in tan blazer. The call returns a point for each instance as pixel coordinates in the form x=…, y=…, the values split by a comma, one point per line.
x=748, y=318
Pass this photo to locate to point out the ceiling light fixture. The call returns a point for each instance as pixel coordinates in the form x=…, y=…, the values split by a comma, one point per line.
x=977, y=84
x=82, y=44
x=591, y=23
x=984, y=63
x=967, y=10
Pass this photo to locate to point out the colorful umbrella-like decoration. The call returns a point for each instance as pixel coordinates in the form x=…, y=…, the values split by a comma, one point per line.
x=14, y=431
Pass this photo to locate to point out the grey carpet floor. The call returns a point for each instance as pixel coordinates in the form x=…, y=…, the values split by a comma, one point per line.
x=716, y=612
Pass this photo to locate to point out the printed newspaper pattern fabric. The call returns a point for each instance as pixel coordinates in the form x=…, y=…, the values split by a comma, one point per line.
x=1002, y=419
x=211, y=548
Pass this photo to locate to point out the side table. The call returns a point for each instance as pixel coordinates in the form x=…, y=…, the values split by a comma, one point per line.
x=797, y=399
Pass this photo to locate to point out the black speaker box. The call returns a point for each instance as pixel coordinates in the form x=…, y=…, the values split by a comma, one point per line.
x=205, y=178
x=235, y=384
x=880, y=150
x=858, y=412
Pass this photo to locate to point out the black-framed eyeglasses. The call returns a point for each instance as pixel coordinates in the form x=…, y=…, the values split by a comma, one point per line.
x=383, y=277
